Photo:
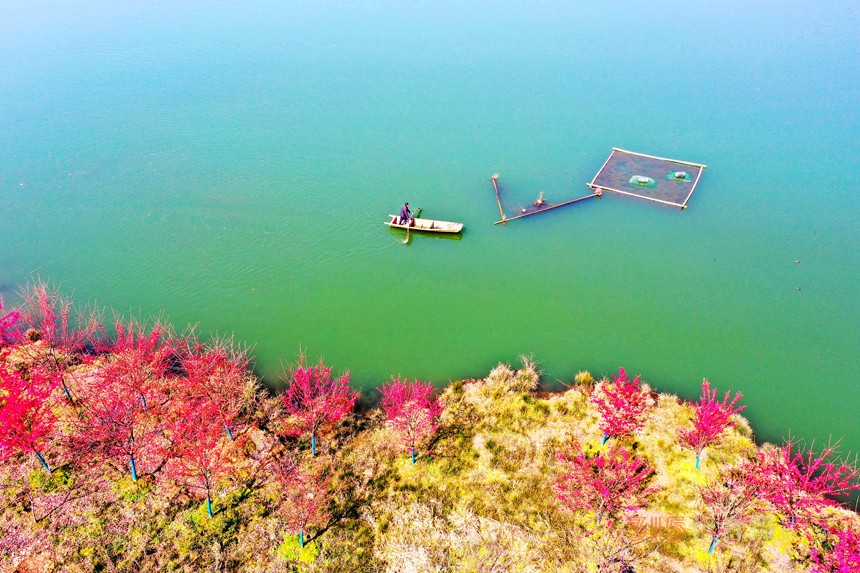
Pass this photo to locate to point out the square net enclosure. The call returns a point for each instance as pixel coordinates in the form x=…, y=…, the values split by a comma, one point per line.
x=667, y=181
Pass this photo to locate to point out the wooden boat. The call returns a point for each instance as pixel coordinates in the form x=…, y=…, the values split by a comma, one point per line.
x=427, y=225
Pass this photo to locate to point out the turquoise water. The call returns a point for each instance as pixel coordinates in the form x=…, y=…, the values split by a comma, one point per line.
x=233, y=168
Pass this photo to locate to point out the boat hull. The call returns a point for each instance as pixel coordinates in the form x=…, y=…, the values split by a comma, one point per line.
x=426, y=225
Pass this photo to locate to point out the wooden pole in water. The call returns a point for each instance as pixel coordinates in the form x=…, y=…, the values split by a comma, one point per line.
x=495, y=179
x=660, y=158
x=602, y=167
x=598, y=187
x=550, y=207
x=696, y=182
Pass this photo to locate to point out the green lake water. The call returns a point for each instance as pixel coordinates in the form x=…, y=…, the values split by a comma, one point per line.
x=233, y=167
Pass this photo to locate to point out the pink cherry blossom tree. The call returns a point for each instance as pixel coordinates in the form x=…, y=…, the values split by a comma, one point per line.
x=607, y=483
x=711, y=419
x=411, y=410
x=314, y=399
x=622, y=404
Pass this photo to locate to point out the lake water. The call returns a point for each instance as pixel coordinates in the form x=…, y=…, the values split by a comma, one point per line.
x=233, y=167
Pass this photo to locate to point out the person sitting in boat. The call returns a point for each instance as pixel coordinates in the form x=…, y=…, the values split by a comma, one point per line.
x=405, y=215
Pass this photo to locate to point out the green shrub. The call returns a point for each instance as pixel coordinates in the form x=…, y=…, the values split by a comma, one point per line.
x=583, y=378
x=291, y=550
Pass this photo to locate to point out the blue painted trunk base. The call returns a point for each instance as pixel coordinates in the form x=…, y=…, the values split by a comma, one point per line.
x=713, y=544
x=44, y=463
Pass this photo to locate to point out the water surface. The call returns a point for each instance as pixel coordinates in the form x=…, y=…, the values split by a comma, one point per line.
x=233, y=167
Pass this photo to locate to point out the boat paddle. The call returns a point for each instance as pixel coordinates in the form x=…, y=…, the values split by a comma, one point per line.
x=409, y=224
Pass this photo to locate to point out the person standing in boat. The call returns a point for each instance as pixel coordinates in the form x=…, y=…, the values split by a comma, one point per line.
x=406, y=215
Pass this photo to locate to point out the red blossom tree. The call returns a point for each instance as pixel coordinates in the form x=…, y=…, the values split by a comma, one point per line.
x=27, y=423
x=314, y=399
x=801, y=484
x=216, y=374
x=198, y=456
x=411, y=410
x=50, y=317
x=114, y=425
x=284, y=468
x=711, y=419
x=304, y=502
x=7, y=323
x=731, y=499
x=622, y=405
x=607, y=483
x=843, y=555
x=140, y=357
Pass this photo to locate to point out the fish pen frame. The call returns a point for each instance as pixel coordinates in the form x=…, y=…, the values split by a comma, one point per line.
x=607, y=179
